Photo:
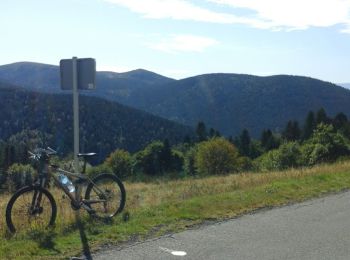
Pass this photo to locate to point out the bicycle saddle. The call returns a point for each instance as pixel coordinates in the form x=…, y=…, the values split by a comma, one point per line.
x=84, y=155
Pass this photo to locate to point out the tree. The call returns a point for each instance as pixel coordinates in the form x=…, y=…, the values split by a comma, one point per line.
x=321, y=117
x=309, y=125
x=325, y=145
x=165, y=156
x=158, y=158
x=340, y=121
x=245, y=143
x=292, y=131
x=216, y=156
x=120, y=162
x=286, y=156
x=201, y=132
x=268, y=140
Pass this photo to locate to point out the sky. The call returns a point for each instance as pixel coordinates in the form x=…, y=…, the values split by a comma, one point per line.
x=183, y=38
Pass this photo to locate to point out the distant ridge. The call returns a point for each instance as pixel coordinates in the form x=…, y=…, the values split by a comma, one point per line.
x=227, y=102
x=345, y=85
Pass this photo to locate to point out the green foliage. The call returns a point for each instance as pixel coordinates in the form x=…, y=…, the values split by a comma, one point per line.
x=158, y=158
x=201, y=132
x=325, y=145
x=216, y=156
x=292, y=131
x=104, y=125
x=309, y=125
x=245, y=143
x=286, y=156
x=19, y=175
x=189, y=162
x=120, y=161
x=321, y=117
x=268, y=140
x=96, y=170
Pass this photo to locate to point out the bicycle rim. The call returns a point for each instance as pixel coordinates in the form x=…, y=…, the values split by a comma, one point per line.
x=106, y=195
x=30, y=208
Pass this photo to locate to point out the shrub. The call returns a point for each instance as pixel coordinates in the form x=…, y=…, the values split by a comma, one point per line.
x=102, y=168
x=216, y=156
x=120, y=162
x=286, y=156
x=325, y=145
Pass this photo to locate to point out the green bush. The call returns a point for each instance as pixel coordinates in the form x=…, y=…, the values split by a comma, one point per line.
x=216, y=156
x=189, y=161
x=102, y=168
x=325, y=145
x=286, y=156
x=120, y=162
x=158, y=158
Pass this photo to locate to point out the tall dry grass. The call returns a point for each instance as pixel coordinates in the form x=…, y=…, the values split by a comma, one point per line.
x=148, y=195
x=141, y=195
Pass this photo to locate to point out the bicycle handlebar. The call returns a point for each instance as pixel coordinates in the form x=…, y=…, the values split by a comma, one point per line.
x=39, y=153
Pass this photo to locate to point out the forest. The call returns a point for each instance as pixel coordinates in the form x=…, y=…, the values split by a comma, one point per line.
x=319, y=139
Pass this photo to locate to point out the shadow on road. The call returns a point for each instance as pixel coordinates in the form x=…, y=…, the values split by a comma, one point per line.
x=83, y=238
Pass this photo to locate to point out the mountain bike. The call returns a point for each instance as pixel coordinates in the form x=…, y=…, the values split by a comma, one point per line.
x=34, y=206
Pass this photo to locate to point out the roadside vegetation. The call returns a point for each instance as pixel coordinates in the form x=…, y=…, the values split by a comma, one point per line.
x=169, y=188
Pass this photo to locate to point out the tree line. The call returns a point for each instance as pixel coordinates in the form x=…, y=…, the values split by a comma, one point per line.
x=320, y=139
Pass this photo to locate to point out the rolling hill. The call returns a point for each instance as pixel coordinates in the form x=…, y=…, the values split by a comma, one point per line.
x=226, y=102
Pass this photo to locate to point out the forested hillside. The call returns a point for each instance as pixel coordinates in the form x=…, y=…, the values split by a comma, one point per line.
x=104, y=125
x=231, y=102
x=226, y=102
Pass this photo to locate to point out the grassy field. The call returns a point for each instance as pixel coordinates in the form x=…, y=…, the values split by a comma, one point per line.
x=170, y=206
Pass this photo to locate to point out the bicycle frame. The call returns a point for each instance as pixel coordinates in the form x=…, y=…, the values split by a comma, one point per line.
x=48, y=172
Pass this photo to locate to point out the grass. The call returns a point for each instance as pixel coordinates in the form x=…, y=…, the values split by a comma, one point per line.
x=170, y=206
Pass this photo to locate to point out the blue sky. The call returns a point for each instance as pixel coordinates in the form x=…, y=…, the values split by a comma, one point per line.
x=181, y=38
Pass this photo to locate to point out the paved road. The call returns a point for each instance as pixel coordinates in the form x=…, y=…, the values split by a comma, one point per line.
x=316, y=229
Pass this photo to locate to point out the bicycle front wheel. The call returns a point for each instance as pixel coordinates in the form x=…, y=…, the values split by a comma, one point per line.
x=30, y=208
x=105, y=195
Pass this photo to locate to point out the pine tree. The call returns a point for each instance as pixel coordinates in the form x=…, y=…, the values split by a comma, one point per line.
x=268, y=140
x=321, y=117
x=292, y=131
x=340, y=121
x=201, y=132
x=165, y=156
x=245, y=143
x=309, y=126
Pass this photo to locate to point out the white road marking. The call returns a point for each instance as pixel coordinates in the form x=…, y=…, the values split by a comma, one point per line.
x=173, y=252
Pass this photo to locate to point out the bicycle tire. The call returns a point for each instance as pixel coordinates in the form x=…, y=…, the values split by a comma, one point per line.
x=118, y=193
x=50, y=208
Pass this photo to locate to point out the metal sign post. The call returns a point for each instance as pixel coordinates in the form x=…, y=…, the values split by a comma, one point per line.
x=77, y=74
x=75, y=112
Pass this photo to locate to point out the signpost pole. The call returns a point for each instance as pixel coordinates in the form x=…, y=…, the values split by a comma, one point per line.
x=76, y=113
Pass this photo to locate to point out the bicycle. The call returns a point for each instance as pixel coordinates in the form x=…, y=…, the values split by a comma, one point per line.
x=34, y=206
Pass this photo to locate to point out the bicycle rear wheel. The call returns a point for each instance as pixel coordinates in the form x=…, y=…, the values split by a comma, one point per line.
x=105, y=195
x=30, y=208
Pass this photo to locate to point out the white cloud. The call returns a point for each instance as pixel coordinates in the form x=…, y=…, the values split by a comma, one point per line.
x=267, y=14
x=183, y=43
x=295, y=14
x=181, y=10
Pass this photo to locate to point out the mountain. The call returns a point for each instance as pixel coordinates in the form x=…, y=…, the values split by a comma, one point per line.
x=226, y=102
x=46, y=78
x=345, y=85
x=104, y=125
x=232, y=102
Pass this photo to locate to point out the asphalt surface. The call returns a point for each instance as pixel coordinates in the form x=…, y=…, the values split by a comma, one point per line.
x=316, y=229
